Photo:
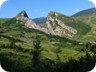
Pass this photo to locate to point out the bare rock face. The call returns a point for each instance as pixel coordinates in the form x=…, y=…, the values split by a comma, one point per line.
x=54, y=24
x=56, y=27
x=28, y=22
x=32, y=24
x=22, y=16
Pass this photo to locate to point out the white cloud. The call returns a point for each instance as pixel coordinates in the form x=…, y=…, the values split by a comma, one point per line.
x=77, y=10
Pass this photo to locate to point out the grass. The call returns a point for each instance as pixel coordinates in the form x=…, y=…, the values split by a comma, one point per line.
x=81, y=27
x=90, y=36
x=24, y=37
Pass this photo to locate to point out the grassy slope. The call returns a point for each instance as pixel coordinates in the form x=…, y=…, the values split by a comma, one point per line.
x=91, y=21
x=80, y=26
x=88, y=17
x=2, y=20
x=22, y=57
x=19, y=31
x=85, y=12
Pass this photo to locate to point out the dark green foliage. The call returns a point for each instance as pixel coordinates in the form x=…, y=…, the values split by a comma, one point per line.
x=15, y=58
x=2, y=20
x=15, y=65
x=91, y=47
x=56, y=25
x=57, y=51
x=36, y=54
x=47, y=65
x=11, y=38
x=61, y=39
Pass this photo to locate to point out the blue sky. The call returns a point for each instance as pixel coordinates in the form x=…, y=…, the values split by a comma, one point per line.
x=41, y=8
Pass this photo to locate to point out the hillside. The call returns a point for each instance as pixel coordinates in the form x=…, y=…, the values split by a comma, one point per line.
x=55, y=24
x=89, y=19
x=24, y=47
x=86, y=12
x=2, y=20
x=62, y=25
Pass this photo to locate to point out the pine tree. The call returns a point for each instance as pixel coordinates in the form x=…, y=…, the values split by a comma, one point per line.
x=36, y=54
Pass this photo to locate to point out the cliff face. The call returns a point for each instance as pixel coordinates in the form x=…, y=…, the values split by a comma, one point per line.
x=22, y=16
x=56, y=24
x=57, y=27
x=32, y=24
x=29, y=22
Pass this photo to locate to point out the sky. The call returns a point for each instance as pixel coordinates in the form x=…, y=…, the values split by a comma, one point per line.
x=41, y=8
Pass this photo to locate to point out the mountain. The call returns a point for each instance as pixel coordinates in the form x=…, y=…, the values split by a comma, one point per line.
x=24, y=46
x=86, y=12
x=28, y=22
x=22, y=16
x=40, y=20
x=88, y=17
x=61, y=25
x=56, y=24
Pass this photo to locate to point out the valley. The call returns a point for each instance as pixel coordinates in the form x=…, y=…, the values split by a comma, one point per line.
x=56, y=43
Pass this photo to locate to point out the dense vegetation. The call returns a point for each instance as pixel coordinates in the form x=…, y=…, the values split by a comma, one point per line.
x=2, y=20
x=27, y=50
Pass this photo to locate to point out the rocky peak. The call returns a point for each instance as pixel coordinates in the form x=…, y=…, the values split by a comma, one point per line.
x=57, y=25
x=22, y=16
x=53, y=14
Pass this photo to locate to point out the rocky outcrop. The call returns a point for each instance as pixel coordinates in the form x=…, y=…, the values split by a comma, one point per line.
x=22, y=16
x=56, y=27
x=32, y=24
